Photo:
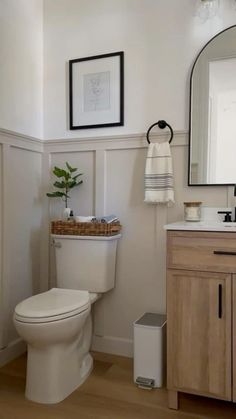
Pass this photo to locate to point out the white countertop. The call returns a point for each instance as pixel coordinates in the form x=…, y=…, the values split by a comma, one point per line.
x=202, y=226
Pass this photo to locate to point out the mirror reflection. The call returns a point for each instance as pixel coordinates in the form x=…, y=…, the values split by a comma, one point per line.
x=213, y=113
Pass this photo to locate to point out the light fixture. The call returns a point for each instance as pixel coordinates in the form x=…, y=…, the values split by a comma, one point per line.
x=207, y=9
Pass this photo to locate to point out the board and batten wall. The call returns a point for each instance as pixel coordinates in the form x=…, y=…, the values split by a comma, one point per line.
x=21, y=213
x=113, y=177
x=113, y=183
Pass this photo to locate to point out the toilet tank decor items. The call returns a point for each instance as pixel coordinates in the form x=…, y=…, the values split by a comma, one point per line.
x=75, y=228
x=67, y=179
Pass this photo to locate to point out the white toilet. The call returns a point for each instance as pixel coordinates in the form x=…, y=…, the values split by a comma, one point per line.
x=57, y=324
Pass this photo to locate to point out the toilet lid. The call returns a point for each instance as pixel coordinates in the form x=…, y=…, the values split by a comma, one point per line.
x=53, y=303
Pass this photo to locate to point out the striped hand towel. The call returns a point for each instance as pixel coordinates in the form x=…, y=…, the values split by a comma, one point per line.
x=158, y=178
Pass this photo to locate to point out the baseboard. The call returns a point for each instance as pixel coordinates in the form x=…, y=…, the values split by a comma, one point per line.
x=113, y=345
x=106, y=344
x=12, y=351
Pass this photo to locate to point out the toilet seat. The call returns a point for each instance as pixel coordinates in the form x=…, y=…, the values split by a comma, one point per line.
x=55, y=304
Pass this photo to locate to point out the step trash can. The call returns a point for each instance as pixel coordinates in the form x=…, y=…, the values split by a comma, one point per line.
x=150, y=350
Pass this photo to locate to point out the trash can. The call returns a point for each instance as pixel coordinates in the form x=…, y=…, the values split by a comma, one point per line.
x=150, y=350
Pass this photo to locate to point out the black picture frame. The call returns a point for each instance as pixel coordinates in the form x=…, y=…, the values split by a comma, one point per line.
x=96, y=91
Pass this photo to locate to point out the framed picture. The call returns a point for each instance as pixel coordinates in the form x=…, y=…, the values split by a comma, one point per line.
x=97, y=91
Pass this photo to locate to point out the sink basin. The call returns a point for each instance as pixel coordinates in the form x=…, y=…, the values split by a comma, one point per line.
x=212, y=220
x=202, y=226
x=232, y=224
x=216, y=224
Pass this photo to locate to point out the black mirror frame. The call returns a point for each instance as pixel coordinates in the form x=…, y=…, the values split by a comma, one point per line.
x=190, y=115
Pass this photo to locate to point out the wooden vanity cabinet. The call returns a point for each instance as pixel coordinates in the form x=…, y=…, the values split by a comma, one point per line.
x=201, y=314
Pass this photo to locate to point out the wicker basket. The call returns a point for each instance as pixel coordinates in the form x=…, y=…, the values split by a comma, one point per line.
x=85, y=229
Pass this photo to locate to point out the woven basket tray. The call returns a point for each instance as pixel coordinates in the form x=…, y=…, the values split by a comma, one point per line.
x=85, y=229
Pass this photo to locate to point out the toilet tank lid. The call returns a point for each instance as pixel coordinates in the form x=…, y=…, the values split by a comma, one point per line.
x=52, y=303
x=72, y=237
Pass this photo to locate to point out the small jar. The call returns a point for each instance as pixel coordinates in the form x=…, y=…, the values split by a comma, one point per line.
x=192, y=211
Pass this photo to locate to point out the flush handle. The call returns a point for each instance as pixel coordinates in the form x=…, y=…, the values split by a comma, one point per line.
x=57, y=244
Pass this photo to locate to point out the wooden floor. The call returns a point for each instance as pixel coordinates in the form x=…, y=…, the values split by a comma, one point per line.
x=109, y=393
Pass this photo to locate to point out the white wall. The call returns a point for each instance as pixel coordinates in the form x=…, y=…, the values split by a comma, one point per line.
x=21, y=66
x=160, y=40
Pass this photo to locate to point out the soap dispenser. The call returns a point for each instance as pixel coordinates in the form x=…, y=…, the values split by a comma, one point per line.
x=71, y=215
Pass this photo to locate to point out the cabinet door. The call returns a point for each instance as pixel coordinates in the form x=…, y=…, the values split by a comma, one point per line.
x=199, y=333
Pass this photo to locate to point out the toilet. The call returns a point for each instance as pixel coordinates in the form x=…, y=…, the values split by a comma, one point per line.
x=57, y=324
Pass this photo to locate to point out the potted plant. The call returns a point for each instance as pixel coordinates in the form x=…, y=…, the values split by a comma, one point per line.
x=67, y=179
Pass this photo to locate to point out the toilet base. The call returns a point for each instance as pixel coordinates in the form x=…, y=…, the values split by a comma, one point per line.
x=51, y=389
x=55, y=371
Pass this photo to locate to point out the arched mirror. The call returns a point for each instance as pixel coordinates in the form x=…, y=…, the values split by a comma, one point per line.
x=212, y=133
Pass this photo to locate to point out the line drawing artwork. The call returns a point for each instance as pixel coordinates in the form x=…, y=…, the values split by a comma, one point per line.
x=96, y=91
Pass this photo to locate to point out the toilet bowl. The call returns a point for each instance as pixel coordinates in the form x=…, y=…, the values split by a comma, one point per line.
x=57, y=328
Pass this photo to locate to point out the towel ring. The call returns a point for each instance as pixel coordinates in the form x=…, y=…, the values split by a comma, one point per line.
x=161, y=124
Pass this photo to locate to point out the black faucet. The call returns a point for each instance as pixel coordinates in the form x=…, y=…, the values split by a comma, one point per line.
x=227, y=215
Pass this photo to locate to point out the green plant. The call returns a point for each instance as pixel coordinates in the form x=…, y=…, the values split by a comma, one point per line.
x=68, y=180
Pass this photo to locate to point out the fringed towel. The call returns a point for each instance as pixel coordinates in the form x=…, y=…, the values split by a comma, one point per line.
x=159, y=174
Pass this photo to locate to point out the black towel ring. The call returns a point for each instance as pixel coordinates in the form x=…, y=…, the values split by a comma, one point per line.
x=161, y=124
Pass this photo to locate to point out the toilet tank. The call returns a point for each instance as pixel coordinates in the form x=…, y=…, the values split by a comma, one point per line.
x=86, y=262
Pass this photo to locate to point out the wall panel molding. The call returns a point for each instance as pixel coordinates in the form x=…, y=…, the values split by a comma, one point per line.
x=115, y=142
x=104, y=148
x=100, y=182
x=10, y=141
x=18, y=140
x=6, y=251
